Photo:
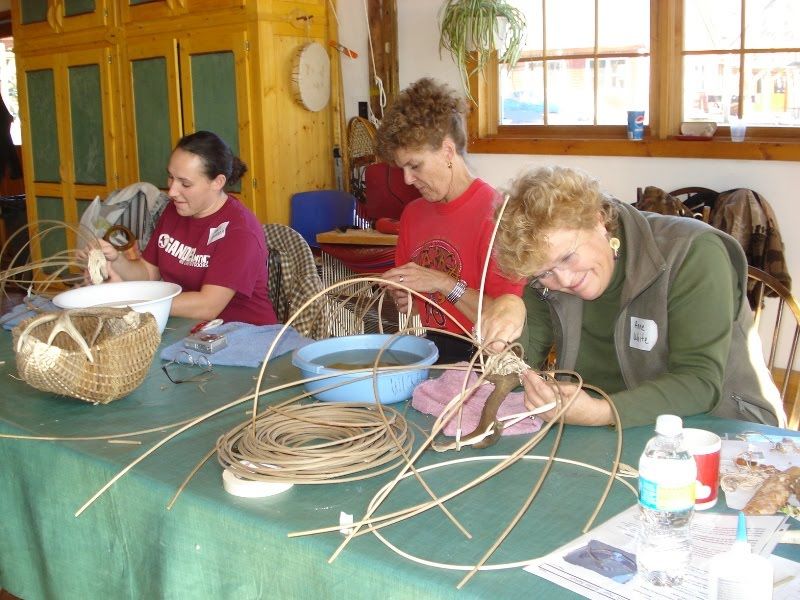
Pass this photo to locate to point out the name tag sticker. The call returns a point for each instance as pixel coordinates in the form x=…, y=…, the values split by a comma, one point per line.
x=218, y=232
x=644, y=333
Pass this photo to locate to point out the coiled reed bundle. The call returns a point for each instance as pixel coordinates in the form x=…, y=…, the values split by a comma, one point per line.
x=316, y=443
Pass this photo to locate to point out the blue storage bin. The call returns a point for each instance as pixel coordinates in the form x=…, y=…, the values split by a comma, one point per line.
x=321, y=210
x=393, y=386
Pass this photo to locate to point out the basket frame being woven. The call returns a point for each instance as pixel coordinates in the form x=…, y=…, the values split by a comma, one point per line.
x=93, y=354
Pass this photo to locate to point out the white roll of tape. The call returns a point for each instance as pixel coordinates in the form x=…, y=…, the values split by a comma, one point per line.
x=247, y=488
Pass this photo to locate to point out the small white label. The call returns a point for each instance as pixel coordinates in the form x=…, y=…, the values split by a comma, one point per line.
x=218, y=232
x=345, y=520
x=644, y=333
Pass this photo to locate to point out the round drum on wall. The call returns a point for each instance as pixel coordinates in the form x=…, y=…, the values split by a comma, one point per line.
x=311, y=77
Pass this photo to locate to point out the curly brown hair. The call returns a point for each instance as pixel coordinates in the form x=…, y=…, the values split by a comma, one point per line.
x=540, y=202
x=422, y=116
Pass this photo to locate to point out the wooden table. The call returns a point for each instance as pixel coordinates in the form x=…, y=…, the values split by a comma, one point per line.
x=357, y=237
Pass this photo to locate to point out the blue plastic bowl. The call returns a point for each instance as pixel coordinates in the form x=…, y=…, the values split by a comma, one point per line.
x=393, y=386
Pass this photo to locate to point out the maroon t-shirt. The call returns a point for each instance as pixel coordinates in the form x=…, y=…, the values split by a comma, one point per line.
x=226, y=248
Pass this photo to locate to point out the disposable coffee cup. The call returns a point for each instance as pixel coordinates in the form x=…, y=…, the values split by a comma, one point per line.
x=738, y=129
x=635, y=124
x=705, y=447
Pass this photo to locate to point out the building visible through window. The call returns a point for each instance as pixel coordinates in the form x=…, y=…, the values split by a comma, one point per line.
x=8, y=85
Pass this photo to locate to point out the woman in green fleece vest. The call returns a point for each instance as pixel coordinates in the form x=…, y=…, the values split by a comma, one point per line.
x=650, y=308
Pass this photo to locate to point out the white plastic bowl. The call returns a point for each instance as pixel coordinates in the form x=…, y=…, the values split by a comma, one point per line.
x=142, y=296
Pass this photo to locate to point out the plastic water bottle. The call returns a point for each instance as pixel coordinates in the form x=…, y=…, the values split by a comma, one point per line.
x=667, y=476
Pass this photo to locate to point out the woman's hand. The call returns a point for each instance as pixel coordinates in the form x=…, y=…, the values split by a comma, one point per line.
x=502, y=321
x=109, y=251
x=420, y=279
x=98, y=272
x=584, y=410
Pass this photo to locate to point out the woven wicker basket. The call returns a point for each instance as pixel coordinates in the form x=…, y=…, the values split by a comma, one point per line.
x=94, y=354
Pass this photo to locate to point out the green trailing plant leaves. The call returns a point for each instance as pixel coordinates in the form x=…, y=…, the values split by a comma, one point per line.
x=475, y=27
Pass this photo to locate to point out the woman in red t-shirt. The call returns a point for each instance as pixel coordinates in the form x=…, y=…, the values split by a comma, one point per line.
x=444, y=235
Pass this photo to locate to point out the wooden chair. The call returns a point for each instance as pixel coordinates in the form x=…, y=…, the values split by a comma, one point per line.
x=696, y=200
x=293, y=279
x=785, y=378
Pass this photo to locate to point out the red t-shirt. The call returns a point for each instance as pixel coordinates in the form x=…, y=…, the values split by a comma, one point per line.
x=226, y=248
x=453, y=237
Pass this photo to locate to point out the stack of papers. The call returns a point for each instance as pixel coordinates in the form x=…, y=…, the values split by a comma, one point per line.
x=570, y=566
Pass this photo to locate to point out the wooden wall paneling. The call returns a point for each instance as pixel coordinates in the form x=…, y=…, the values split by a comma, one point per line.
x=304, y=136
x=264, y=118
x=383, y=32
x=338, y=119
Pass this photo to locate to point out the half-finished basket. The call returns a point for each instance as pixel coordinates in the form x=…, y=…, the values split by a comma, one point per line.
x=95, y=354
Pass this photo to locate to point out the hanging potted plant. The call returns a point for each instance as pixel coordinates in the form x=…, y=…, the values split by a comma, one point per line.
x=472, y=30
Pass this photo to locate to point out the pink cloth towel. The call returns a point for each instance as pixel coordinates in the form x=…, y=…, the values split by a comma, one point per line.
x=432, y=395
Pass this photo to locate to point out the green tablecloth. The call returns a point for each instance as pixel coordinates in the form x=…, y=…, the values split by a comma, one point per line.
x=214, y=545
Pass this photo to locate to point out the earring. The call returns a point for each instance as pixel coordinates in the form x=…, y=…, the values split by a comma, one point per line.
x=449, y=164
x=615, y=244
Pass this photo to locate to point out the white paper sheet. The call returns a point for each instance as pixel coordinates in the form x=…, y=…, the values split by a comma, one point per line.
x=711, y=534
x=776, y=451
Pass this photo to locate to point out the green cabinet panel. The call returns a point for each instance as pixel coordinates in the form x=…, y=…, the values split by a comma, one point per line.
x=55, y=241
x=135, y=2
x=44, y=130
x=33, y=11
x=151, y=102
x=88, y=145
x=82, y=204
x=214, y=95
x=78, y=7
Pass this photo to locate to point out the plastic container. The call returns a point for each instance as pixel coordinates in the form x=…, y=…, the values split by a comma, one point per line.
x=667, y=474
x=738, y=573
x=142, y=296
x=393, y=386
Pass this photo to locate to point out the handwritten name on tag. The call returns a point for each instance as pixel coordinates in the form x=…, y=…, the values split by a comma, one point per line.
x=644, y=333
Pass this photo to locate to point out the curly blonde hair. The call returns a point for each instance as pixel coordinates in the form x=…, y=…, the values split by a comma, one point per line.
x=540, y=202
x=422, y=116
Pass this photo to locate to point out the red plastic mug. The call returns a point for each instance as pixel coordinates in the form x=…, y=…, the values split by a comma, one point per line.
x=705, y=446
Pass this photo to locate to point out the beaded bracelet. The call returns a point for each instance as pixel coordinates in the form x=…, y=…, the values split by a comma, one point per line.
x=458, y=290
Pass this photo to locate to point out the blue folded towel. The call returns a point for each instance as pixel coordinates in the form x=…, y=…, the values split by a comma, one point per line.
x=247, y=345
x=24, y=310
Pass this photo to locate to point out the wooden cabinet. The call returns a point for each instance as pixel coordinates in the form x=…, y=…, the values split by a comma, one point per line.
x=186, y=83
x=48, y=17
x=107, y=87
x=144, y=10
x=69, y=132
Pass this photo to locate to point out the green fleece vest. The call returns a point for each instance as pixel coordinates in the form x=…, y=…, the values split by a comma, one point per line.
x=657, y=247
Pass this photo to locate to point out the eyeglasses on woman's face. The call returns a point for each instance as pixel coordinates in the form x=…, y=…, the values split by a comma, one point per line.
x=563, y=262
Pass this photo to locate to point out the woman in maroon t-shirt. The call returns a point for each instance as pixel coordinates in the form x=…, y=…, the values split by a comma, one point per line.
x=206, y=241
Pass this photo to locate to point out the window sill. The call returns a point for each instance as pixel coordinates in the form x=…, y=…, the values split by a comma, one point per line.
x=755, y=149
